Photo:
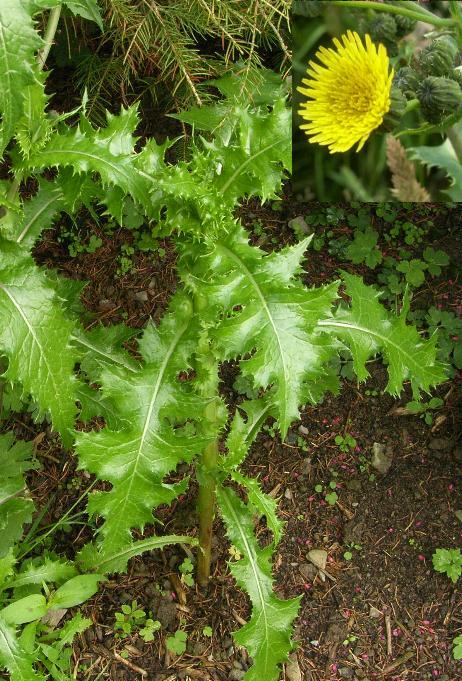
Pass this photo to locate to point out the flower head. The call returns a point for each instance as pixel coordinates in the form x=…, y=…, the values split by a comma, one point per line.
x=349, y=94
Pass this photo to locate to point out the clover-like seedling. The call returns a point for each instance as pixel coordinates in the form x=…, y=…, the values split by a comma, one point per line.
x=177, y=643
x=149, y=629
x=129, y=619
x=186, y=569
x=448, y=561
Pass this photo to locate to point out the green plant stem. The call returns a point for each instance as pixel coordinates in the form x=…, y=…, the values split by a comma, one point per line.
x=206, y=507
x=411, y=10
x=50, y=31
x=411, y=105
x=456, y=142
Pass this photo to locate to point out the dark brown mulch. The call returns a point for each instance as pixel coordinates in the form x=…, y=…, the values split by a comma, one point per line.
x=381, y=614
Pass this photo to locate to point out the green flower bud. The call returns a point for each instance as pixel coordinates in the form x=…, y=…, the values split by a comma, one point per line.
x=382, y=28
x=407, y=80
x=439, y=98
x=393, y=117
x=404, y=25
x=437, y=59
x=457, y=76
x=308, y=8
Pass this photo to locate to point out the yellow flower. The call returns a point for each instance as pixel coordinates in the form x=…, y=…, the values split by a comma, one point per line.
x=349, y=95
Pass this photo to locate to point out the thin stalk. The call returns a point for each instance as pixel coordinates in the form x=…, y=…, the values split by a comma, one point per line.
x=206, y=507
x=411, y=10
x=456, y=142
x=49, y=36
x=411, y=105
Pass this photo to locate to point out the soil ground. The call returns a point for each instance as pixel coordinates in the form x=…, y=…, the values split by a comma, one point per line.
x=381, y=612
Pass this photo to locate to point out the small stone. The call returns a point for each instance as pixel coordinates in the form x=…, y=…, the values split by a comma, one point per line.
x=298, y=224
x=236, y=675
x=381, y=459
x=237, y=664
x=288, y=494
x=374, y=612
x=308, y=570
x=306, y=467
x=319, y=559
x=354, y=485
x=346, y=672
x=439, y=443
x=458, y=515
x=303, y=430
x=141, y=296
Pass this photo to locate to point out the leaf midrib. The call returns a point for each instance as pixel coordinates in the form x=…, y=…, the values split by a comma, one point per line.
x=250, y=554
x=263, y=300
x=157, y=386
x=364, y=329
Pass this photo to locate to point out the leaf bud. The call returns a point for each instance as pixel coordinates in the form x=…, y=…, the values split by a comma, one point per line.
x=439, y=98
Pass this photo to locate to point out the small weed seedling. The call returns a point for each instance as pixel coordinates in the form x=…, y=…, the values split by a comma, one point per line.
x=186, y=568
x=351, y=546
x=425, y=408
x=149, y=629
x=364, y=466
x=448, y=561
x=457, y=650
x=177, y=643
x=207, y=631
x=130, y=619
x=330, y=496
x=345, y=443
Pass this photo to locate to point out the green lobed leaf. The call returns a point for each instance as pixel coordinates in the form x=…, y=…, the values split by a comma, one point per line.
x=18, y=43
x=368, y=329
x=243, y=432
x=442, y=156
x=102, y=347
x=267, y=635
x=91, y=557
x=51, y=571
x=34, y=127
x=269, y=314
x=14, y=658
x=39, y=213
x=15, y=508
x=263, y=503
x=35, y=337
x=364, y=248
x=108, y=151
x=153, y=402
x=88, y=9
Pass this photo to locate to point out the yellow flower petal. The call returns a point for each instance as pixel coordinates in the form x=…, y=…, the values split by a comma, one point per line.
x=348, y=93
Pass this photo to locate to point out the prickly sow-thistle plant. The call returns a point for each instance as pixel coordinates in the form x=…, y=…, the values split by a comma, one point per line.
x=234, y=302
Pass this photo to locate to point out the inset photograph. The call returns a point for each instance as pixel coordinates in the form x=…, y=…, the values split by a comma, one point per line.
x=377, y=100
